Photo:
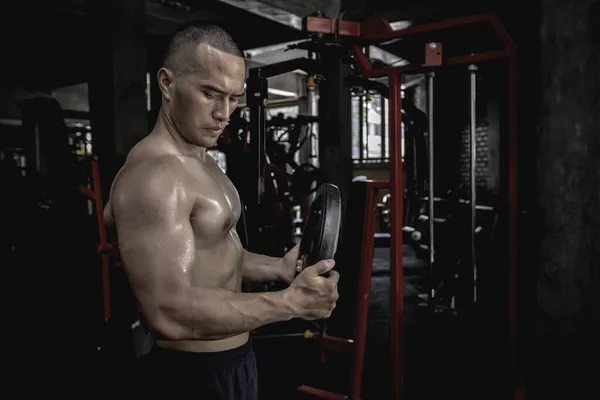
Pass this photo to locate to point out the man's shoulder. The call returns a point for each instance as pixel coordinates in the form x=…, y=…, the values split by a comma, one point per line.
x=148, y=176
x=155, y=167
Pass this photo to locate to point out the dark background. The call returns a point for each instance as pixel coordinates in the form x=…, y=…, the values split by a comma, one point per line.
x=110, y=45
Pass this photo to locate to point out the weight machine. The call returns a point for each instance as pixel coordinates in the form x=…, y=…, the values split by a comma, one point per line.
x=262, y=172
x=358, y=36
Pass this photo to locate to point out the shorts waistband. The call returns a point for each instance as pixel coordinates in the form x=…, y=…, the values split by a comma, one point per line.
x=207, y=358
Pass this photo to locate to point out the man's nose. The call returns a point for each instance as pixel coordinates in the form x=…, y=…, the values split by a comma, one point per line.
x=221, y=111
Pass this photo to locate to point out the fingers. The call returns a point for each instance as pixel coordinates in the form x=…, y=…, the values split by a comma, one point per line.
x=327, y=312
x=322, y=312
x=322, y=266
x=332, y=282
x=299, y=265
x=334, y=277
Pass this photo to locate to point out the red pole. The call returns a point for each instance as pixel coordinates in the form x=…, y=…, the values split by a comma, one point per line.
x=104, y=248
x=364, y=289
x=396, y=212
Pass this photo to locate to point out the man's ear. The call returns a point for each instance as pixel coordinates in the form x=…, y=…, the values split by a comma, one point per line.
x=165, y=82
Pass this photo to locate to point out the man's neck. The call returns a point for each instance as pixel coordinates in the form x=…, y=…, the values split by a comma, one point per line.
x=165, y=126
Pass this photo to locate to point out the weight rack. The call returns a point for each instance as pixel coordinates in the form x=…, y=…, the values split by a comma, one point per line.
x=359, y=35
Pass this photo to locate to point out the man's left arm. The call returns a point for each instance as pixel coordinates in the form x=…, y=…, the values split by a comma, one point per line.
x=262, y=268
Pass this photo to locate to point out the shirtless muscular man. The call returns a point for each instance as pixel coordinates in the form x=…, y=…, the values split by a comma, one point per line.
x=175, y=212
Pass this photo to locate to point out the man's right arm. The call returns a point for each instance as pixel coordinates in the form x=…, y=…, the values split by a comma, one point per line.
x=156, y=242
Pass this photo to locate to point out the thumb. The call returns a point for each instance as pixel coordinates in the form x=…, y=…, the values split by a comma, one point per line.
x=323, y=266
x=293, y=254
x=295, y=250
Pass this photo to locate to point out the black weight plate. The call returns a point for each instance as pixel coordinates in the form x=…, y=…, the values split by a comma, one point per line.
x=322, y=227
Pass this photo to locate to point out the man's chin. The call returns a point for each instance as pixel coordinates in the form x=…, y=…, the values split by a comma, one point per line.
x=209, y=142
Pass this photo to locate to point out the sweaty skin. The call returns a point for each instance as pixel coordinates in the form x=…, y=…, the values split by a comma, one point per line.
x=175, y=212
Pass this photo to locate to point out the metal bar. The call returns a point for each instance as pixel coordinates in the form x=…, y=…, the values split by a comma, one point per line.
x=38, y=148
x=313, y=107
x=320, y=393
x=431, y=194
x=451, y=61
x=502, y=33
x=361, y=128
x=382, y=127
x=257, y=101
x=368, y=84
x=361, y=60
x=302, y=63
x=281, y=102
x=336, y=344
x=379, y=29
x=303, y=335
x=328, y=26
x=396, y=271
x=473, y=160
x=104, y=248
x=366, y=125
x=364, y=289
x=87, y=191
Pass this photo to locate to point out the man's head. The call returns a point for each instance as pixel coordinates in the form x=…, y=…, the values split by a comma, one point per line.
x=201, y=80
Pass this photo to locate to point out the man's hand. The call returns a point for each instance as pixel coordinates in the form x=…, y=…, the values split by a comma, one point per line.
x=313, y=296
x=290, y=265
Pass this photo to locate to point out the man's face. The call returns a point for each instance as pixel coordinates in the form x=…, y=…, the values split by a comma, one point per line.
x=202, y=100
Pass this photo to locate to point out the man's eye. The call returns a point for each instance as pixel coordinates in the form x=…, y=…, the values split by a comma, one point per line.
x=210, y=95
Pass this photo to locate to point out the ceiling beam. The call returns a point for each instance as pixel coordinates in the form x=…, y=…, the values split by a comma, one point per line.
x=267, y=11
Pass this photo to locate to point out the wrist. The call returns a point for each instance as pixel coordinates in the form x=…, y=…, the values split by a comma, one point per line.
x=289, y=302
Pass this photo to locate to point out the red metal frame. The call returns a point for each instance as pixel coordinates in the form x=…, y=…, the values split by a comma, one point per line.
x=364, y=289
x=104, y=248
x=373, y=31
x=358, y=345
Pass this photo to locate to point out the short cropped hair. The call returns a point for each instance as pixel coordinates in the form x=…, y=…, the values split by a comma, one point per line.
x=185, y=40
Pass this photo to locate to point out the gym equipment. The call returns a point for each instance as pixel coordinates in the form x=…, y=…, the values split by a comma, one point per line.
x=305, y=180
x=46, y=149
x=308, y=334
x=263, y=150
x=105, y=249
x=322, y=227
x=473, y=158
x=257, y=85
x=378, y=30
x=430, y=91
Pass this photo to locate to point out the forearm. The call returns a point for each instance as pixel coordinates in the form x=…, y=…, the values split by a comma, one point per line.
x=212, y=314
x=260, y=268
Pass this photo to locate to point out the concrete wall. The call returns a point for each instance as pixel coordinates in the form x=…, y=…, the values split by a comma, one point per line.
x=568, y=277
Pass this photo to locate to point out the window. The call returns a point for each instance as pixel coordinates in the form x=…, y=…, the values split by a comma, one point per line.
x=289, y=112
x=370, y=121
x=281, y=133
x=286, y=112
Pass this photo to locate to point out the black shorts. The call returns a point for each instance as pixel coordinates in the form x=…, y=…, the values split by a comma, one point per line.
x=225, y=375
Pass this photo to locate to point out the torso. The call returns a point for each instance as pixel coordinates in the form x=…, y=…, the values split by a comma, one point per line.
x=219, y=252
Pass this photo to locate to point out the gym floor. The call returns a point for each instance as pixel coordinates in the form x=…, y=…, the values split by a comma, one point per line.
x=440, y=350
